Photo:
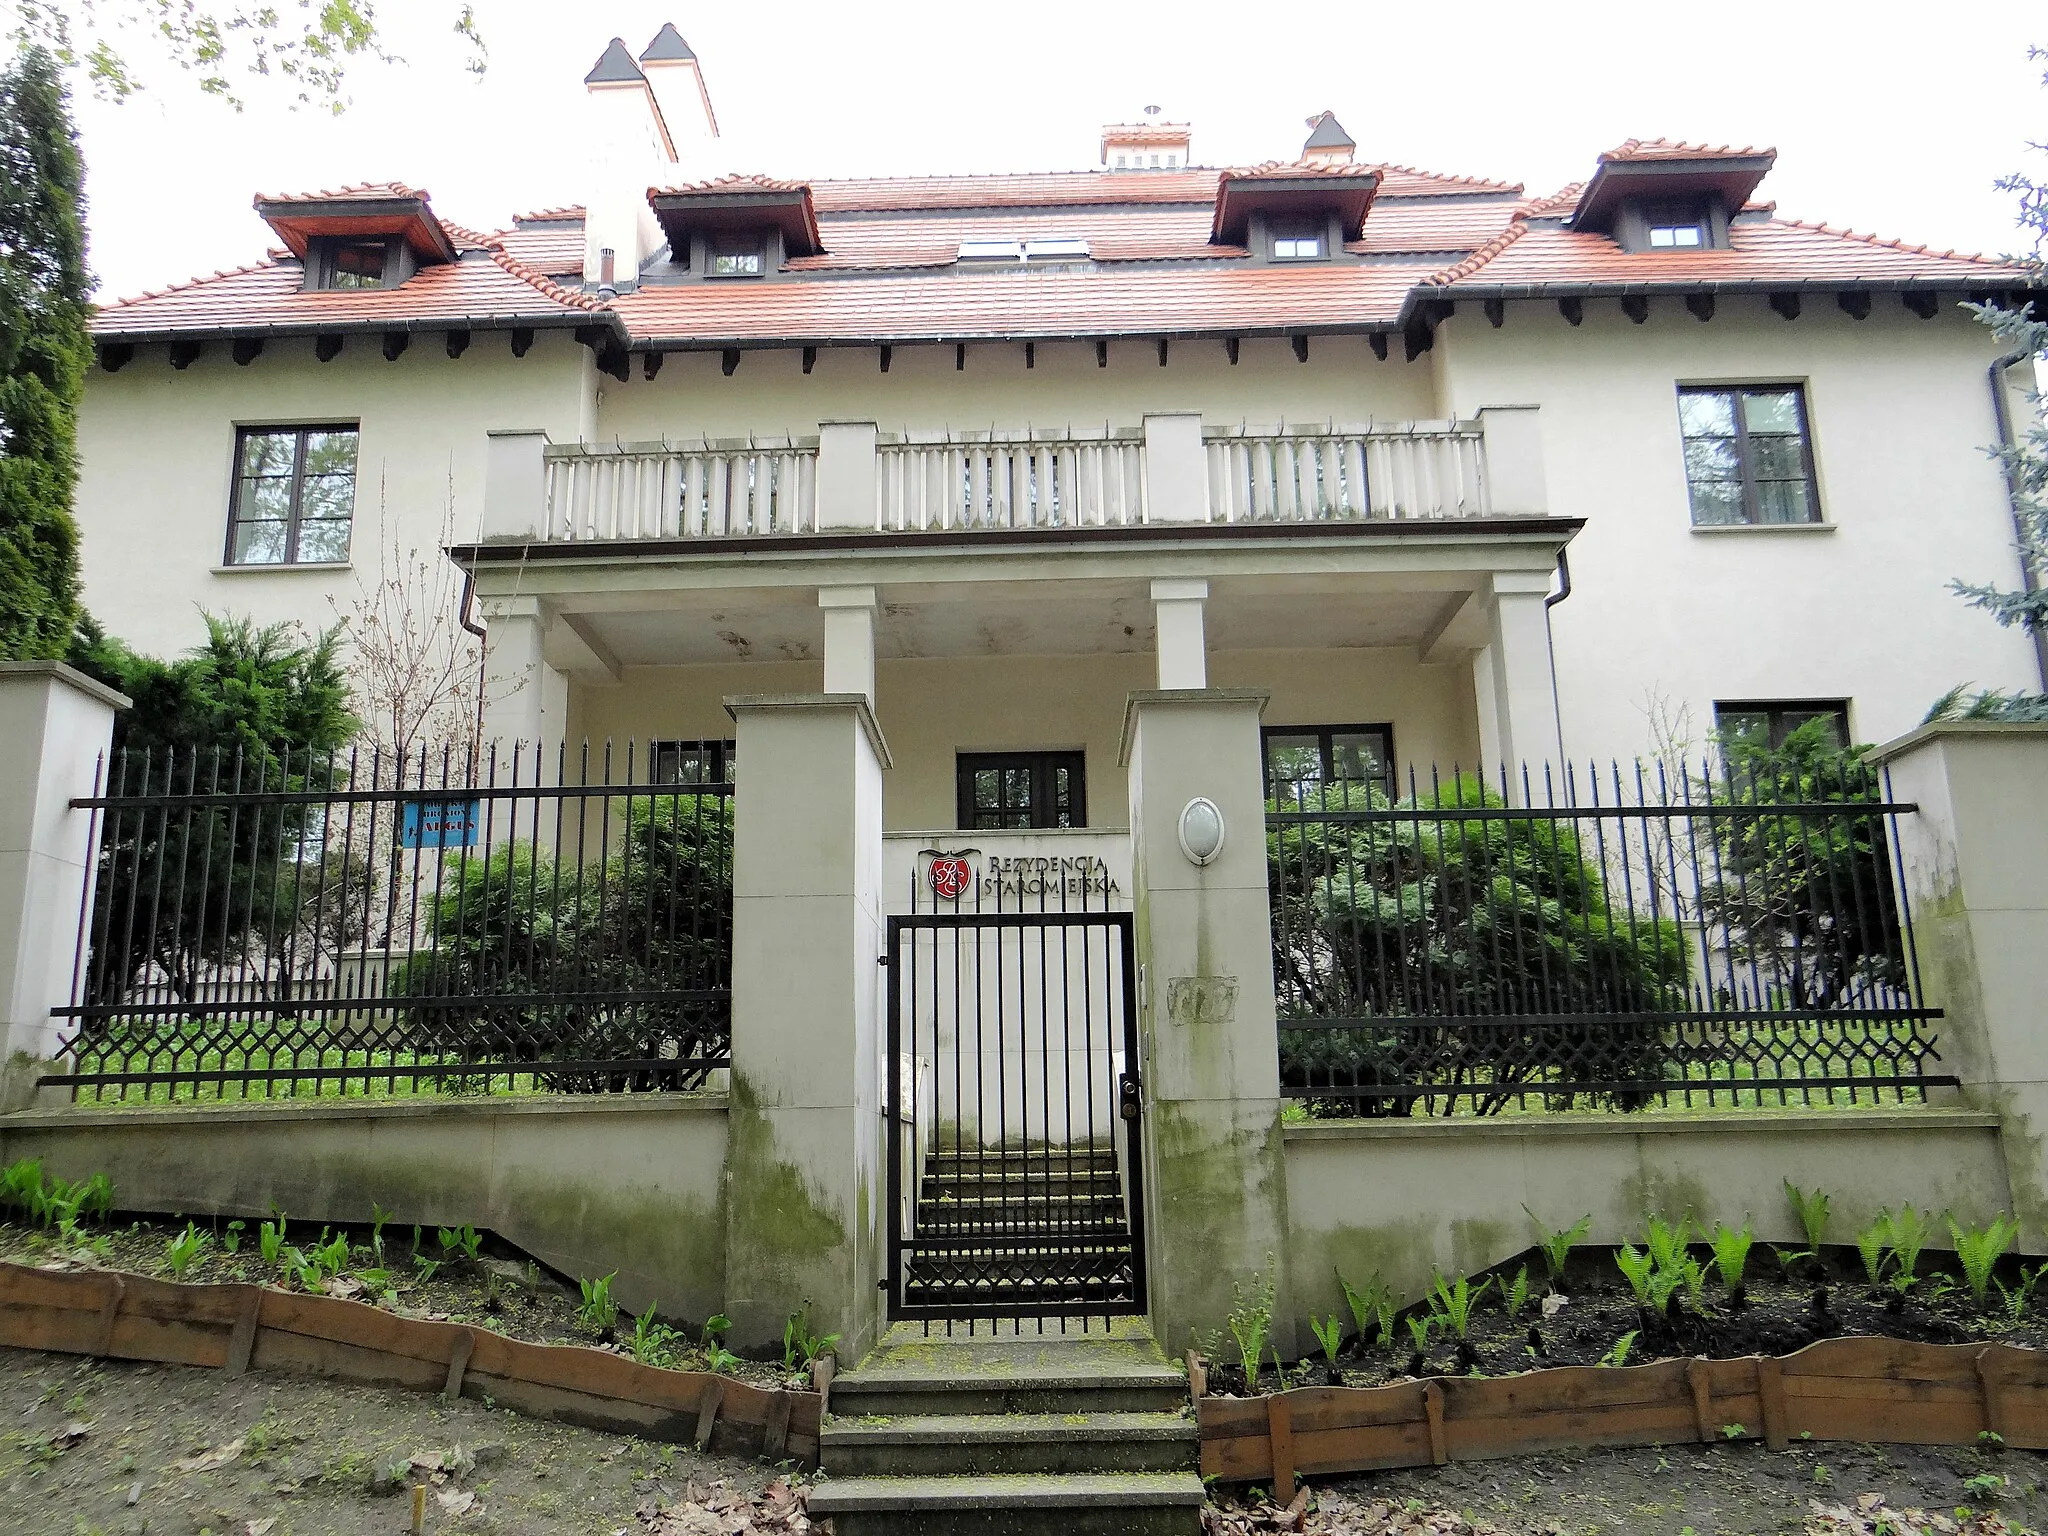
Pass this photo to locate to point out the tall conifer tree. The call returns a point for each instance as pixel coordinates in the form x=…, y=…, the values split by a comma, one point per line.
x=44, y=351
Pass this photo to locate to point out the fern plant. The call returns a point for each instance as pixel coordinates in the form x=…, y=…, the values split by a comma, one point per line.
x=1978, y=1250
x=2015, y=1300
x=1516, y=1296
x=1371, y=1304
x=1731, y=1252
x=1638, y=1267
x=1557, y=1245
x=185, y=1250
x=1870, y=1245
x=1329, y=1333
x=1812, y=1211
x=1450, y=1306
x=1251, y=1323
x=597, y=1311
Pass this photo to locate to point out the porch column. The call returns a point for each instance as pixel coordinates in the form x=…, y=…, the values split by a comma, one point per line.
x=1176, y=469
x=805, y=1180
x=56, y=726
x=849, y=640
x=1216, y=1191
x=526, y=701
x=1183, y=645
x=1974, y=860
x=516, y=486
x=1513, y=683
x=846, y=474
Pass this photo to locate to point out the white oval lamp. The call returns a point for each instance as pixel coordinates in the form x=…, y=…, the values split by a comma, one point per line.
x=1201, y=830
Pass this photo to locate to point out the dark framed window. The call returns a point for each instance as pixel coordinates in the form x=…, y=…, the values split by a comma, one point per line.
x=1302, y=759
x=1767, y=722
x=1297, y=240
x=736, y=256
x=1675, y=227
x=1747, y=455
x=295, y=495
x=1021, y=791
x=358, y=264
x=691, y=762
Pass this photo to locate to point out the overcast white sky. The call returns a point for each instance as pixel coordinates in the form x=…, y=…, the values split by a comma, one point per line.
x=1884, y=121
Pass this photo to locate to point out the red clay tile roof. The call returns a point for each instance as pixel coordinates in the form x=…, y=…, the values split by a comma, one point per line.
x=490, y=289
x=1154, y=270
x=1211, y=299
x=361, y=191
x=1673, y=149
x=1774, y=253
x=737, y=182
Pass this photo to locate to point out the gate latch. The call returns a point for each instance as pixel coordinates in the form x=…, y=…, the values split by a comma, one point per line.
x=1129, y=1091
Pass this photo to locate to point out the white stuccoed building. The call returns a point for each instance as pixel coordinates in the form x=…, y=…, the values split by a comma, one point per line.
x=1459, y=475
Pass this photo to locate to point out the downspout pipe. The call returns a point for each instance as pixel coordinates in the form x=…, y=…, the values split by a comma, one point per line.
x=2001, y=409
x=1564, y=590
x=462, y=616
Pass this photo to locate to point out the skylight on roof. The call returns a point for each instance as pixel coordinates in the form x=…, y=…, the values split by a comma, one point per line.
x=1023, y=250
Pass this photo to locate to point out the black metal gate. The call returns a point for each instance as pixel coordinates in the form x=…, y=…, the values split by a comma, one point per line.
x=1014, y=1185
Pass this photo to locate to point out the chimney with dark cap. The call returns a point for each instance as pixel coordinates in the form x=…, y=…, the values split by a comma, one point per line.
x=1328, y=143
x=630, y=150
x=677, y=80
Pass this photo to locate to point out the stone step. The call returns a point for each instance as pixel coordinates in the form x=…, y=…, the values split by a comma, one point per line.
x=960, y=1444
x=912, y=1373
x=1032, y=1504
x=1097, y=1229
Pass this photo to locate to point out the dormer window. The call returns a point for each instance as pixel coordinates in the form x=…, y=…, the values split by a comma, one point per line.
x=737, y=256
x=1675, y=227
x=358, y=264
x=1297, y=240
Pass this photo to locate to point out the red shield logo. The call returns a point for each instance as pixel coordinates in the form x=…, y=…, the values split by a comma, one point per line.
x=950, y=878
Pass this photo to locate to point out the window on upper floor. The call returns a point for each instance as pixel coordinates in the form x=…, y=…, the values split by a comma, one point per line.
x=1675, y=226
x=1748, y=459
x=1021, y=791
x=737, y=256
x=1767, y=722
x=1303, y=761
x=1297, y=240
x=294, y=497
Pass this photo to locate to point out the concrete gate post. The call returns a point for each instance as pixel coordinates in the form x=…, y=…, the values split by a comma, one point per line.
x=804, y=1162
x=1216, y=1205
x=56, y=725
x=1975, y=870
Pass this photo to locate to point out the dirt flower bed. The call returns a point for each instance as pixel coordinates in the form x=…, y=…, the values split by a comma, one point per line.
x=1682, y=1292
x=454, y=1275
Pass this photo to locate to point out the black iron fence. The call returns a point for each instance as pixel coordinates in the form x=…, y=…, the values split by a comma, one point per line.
x=357, y=923
x=1720, y=937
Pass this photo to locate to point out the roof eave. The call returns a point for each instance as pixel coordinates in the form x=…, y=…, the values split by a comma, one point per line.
x=492, y=321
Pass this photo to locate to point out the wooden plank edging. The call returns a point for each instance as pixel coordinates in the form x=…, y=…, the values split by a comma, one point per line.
x=1857, y=1389
x=239, y=1327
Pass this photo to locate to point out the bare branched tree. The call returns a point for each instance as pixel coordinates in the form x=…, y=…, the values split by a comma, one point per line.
x=413, y=668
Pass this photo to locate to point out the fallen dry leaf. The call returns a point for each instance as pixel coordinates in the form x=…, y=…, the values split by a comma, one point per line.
x=456, y=1501
x=259, y=1527
x=70, y=1434
x=207, y=1461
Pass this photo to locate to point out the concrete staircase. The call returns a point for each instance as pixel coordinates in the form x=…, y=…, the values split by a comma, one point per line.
x=1020, y=1229
x=1086, y=1434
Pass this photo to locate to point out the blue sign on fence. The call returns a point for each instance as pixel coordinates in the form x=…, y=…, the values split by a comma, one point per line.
x=440, y=823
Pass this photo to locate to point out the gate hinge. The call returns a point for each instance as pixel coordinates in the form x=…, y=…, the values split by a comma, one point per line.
x=885, y=960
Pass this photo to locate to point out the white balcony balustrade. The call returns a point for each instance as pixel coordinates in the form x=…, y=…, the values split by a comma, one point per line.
x=1323, y=474
x=855, y=479
x=713, y=489
x=1025, y=480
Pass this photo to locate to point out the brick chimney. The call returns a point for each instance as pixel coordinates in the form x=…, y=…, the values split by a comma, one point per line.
x=630, y=150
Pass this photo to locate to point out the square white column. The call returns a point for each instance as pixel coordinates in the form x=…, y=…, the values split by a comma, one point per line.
x=849, y=640
x=526, y=701
x=1183, y=644
x=1516, y=673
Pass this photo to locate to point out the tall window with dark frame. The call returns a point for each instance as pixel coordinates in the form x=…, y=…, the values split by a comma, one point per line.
x=357, y=264
x=1303, y=760
x=1748, y=459
x=736, y=255
x=294, y=496
x=1767, y=722
x=1021, y=791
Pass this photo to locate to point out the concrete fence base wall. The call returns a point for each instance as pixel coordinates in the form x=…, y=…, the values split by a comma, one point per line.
x=1405, y=1196
x=585, y=1186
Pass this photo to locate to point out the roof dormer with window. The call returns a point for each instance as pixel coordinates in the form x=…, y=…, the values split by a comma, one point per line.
x=374, y=236
x=736, y=227
x=1287, y=214
x=1653, y=195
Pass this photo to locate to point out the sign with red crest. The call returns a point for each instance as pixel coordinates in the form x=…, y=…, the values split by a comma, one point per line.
x=950, y=878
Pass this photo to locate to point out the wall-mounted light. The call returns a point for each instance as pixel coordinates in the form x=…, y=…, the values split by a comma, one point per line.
x=1201, y=830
